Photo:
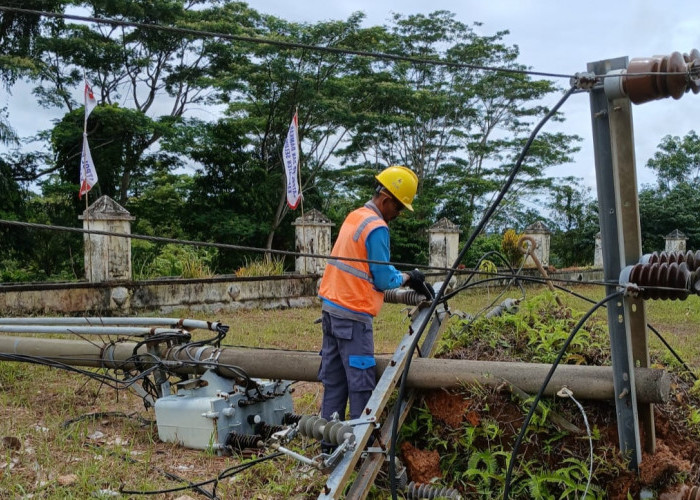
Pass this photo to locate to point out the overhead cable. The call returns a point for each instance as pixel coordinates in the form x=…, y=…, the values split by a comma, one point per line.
x=288, y=253
x=319, y=48
x=433, y=306
x=280, y=43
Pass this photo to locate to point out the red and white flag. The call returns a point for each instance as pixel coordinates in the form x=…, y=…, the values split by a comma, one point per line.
x=88, y=174
x=290, y=157
x=90, y=101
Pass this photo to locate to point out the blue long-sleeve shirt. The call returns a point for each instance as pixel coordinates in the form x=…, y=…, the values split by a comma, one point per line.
x=385, y=276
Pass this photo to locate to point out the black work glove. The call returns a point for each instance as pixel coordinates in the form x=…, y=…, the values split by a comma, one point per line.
x=416, y=282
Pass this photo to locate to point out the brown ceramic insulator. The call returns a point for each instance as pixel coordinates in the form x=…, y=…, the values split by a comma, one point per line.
x=662, y=281
x=242, y=441
x=291, y=418
x=691, y=259
x=266, y=431
x=648, y=87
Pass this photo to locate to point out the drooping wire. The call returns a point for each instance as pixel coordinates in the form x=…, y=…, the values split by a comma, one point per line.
x=650, y=327
x=231, y=471
x=173, y=477
x=108, y=414
x=227, y=246
x=223, y=246
x=433, y=306
x=112, y=382
x=536, y=401
x=514, y=279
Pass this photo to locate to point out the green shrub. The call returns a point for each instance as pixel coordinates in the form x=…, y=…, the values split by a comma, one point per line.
x=267, y=266
x=172, y=260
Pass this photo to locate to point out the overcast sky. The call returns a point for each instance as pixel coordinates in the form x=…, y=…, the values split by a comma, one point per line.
x=558, y=36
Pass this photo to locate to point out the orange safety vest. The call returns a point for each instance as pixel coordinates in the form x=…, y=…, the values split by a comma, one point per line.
x=349, y=283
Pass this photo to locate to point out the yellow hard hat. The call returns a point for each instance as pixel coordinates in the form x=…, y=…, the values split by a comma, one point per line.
x=400, y=181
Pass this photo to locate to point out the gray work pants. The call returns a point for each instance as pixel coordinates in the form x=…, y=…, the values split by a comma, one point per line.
x=347, y=366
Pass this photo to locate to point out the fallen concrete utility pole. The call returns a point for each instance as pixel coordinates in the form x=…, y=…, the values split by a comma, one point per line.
x=586, y=382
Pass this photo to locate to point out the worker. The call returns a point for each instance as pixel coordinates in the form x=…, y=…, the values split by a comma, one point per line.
x=352, y=293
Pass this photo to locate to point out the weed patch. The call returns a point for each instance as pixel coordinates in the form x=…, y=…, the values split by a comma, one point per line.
x=473, y=430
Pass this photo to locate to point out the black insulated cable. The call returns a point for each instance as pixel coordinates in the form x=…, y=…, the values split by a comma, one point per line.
x=283, y=44
x=436, y=300
x=536, y=401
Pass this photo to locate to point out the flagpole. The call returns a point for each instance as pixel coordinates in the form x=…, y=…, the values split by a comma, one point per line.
x=301, y=191
x=83, y=166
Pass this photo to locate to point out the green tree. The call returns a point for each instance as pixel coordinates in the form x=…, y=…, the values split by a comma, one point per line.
x=677, y=161
x=266, y=88
x=148, y=78
x=672, y=203
x=662, y=210
x=233, y=197
x=118, y=140
x=18, y=35
x=458, y=127
x=574, y=223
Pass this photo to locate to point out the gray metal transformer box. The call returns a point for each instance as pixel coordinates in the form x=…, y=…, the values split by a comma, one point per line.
x=204, y=411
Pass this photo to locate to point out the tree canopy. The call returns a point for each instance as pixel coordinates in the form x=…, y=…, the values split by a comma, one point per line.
x=672, y=203
x=189, y=129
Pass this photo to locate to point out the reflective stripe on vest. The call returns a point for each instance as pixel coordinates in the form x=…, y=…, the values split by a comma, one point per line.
x=349, y=269
x=349, y=283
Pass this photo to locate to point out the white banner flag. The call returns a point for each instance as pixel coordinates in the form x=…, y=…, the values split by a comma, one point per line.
x=88, y=174
x=90, y=101
x=290, y=156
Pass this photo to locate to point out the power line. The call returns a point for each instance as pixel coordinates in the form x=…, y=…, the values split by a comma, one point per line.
x=318, y=48
x=280, y=43
x=433, y=306
x=288, y=253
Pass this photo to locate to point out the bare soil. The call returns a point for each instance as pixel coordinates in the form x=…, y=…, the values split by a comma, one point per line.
x=677, y=448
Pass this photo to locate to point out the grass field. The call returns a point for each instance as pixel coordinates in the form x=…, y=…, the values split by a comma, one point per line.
x=50, y=451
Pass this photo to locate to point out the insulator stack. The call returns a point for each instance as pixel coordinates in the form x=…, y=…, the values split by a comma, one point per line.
x=242, y=441
x=319, y=428
x=399, y=296
x=660, y=281
x=420, y=490
x=291, y=418
x=691, y=259
x=671, y=76
x=268, y=430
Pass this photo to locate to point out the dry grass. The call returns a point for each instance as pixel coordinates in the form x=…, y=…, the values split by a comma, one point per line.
x=96, y=457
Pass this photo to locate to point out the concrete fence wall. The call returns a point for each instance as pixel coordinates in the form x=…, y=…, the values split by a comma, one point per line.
x=219, y=294
x=223, y=293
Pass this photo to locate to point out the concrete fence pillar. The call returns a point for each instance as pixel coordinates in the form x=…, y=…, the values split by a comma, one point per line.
x=598, y=252
x=443, y=243
x=107, y=258
x=312, y=235
x=541, y=235
x=675, y=241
